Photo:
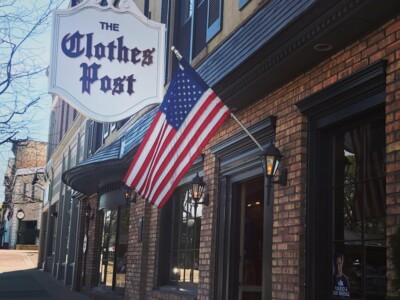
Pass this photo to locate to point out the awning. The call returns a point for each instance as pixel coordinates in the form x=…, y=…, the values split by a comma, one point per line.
x=109, y=164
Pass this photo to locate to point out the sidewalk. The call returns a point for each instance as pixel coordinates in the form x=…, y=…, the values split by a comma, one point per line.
x=19, y=279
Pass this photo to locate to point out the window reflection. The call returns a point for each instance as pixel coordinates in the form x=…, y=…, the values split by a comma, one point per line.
x=359, y=251
x=185, y=239
x=114, y=247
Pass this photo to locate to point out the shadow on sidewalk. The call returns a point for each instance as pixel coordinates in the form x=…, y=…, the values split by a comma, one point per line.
x=34, y=284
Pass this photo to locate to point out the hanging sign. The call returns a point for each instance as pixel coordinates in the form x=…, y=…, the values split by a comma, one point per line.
x=107, y=62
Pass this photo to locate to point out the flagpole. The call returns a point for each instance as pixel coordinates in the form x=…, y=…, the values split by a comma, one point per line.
x=248, y=132
x=179, y=57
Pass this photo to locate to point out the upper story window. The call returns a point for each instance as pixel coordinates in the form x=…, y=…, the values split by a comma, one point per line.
x=106, y=130
x=197, y=22
x=214, y=18
x=242, y=3
x=94, y=136
x=27, y=191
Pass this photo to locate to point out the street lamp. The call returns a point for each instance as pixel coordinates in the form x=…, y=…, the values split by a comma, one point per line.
x=270, y=160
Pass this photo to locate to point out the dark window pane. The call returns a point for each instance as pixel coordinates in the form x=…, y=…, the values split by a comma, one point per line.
x=122, y=248
x=251, y=296
x=347, y=212
x=352, y=150
x=374, y=198
x=187, y=10
x=185, y=237
x=375, y=149
x=347, y=270
x=375, y=269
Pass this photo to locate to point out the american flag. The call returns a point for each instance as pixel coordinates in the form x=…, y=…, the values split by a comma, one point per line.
x=186, y=120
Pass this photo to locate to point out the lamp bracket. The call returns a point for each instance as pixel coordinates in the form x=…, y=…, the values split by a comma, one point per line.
x=282, y=180
x=206, y=200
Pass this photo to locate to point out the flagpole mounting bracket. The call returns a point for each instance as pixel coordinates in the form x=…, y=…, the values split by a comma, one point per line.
x=176, y=52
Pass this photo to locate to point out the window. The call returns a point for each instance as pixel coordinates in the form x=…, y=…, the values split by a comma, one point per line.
x=94, y=136
x=121, y=123
x=180, y=240
x=191, y=25
x=165, y=18
x=357, y=201
x=27, y=191
x=35, y=194
x=214, y=18
x=114, y=248
x=242, y=3
x=346, y=244
x=106, y=130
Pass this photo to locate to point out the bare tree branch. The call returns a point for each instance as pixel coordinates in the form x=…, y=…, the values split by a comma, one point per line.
x=21, y=23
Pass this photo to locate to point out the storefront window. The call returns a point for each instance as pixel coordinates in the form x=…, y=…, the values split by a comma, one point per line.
x=358, y=193
x=181, y=227
x=185, y=239
x=114, y=247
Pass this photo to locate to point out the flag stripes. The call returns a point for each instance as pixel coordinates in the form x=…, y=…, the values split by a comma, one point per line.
x=167, y=151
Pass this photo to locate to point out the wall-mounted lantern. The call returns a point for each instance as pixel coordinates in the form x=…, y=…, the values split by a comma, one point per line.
x=129, y=194
x=197, y=190
x=88, y=210
x=270, y=159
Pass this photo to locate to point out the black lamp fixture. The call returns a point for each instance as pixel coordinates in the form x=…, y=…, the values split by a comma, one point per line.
x=88, y=210
x=270, y=159
x=197, y=190
x=129, y=194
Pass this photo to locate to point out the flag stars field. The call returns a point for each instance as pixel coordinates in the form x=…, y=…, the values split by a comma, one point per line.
x=188, y=117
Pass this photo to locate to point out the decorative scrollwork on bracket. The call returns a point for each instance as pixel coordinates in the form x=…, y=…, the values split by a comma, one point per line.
x=123, y=5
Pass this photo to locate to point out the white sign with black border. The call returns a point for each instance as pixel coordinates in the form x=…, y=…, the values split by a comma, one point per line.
x=107, y=62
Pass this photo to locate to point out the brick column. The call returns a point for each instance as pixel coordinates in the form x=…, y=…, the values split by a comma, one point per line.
x=392, y=43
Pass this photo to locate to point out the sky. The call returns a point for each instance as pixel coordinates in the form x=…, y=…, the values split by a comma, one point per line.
x=39, y=48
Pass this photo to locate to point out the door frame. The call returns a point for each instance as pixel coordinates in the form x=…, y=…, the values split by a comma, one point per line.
x=238, y=158
x=348, y=98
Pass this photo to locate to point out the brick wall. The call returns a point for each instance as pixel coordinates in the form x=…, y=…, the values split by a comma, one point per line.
x=291, y=137
x=138, y=271
x=30, y=154
x=389, y=44
x=94, y=243
x=289, y=202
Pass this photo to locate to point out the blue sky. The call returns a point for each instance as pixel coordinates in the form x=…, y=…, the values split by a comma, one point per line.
x=39, y=47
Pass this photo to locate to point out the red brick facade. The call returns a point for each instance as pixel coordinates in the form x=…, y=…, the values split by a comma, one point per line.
x=289, y=235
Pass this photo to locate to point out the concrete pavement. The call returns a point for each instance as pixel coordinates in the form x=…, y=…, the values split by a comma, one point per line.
x=20, y=279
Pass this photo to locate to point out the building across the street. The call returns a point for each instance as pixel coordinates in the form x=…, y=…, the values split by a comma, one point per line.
x=21, y=214
x=317, y=81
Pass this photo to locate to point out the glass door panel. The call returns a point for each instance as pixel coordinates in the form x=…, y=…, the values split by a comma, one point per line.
x=251, y=239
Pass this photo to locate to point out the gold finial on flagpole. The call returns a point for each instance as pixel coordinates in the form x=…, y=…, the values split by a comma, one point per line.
x=176, y=52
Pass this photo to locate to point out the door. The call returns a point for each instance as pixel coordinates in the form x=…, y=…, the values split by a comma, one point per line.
x=250, y=242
